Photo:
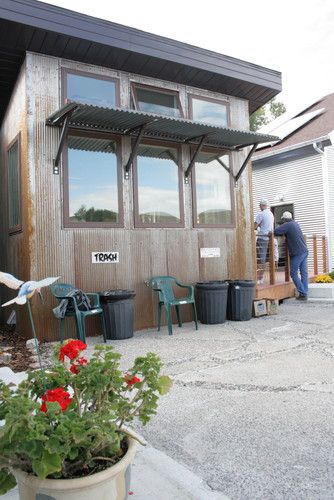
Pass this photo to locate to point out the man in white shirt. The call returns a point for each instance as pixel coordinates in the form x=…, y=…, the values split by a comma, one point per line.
x=264, y=224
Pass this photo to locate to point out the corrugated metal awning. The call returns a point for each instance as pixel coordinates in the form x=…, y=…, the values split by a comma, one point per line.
x=151, y=126
x=127, y=122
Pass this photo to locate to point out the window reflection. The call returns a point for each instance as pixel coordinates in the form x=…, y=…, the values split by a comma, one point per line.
x=213, y=190
x=92, y=180
x=153, y=101
x=89, y=90
x=158, y=185
x=211, y=112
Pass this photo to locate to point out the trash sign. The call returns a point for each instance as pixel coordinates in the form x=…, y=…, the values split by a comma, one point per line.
x=105, y=257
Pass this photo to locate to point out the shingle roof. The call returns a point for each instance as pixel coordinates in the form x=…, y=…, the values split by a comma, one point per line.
x=320, y=126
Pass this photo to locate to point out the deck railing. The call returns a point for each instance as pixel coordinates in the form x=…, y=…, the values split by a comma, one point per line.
x=276, y=269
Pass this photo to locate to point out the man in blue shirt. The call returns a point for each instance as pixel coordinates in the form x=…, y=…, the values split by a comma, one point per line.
x=298, y=253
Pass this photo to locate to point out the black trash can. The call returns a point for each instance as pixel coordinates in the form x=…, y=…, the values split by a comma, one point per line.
x=211, y=301
x=240, y=300
x=118, y=311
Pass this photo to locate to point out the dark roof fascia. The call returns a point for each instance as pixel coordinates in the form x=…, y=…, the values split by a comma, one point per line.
x=296, y=153
x=52, y=18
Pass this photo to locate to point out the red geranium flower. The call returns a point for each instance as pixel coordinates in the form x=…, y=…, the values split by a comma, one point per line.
x=131, y=380
x=71, y=349
x=58, y=395
x=74, y=367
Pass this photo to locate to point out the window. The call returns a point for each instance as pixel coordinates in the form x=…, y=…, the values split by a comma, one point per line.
x=158, y=187
x=209, y=111
x=89, y=89
x=91, y=177
x=14, y=186
x=161, y=102
x=213, y=203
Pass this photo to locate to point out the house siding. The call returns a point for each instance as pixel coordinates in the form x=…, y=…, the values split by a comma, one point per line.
x=144, y=252
x=300, y=182
x=329, y=159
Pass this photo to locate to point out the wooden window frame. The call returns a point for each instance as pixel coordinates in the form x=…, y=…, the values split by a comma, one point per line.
x=66, y=205
x=18, y=228
x=68, y=71
x=222, y=101
x=137, y=221
x=232, y=224
x=160, y=90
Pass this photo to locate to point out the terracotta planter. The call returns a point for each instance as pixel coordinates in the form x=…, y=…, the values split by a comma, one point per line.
x=111, y=484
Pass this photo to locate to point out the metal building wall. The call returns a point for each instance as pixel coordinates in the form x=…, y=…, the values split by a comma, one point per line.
x=143, y=252
x=301, y=183
x=15, y=248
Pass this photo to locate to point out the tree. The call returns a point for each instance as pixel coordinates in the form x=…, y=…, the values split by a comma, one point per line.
x=266, y=114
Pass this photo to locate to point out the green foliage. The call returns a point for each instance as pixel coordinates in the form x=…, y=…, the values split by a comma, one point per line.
x=63, y=443
x=94, y=215
x=266, y=114
x=258, y=119
x=331, y=274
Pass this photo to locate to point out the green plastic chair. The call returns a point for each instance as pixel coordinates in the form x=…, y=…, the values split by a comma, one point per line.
x=61, y=291
x=164, y=286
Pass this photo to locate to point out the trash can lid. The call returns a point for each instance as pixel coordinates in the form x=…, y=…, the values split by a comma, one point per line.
x=117, y=294
x=212, y=285
x=243, y=283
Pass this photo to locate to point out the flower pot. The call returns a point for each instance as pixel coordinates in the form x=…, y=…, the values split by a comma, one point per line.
x=112, y=483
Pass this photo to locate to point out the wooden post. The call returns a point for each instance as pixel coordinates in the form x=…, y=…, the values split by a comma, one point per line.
x=324, y=254
x=254, y=258
x=287, y=262
x=315, y=254
x=271, y=259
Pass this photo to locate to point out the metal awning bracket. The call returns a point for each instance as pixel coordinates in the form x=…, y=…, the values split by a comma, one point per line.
x=193, y=159
x=243, y=166
x=223, y=165
x=63, y=135
x=134, y=150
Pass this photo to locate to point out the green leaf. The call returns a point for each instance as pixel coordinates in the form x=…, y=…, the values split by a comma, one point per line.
x=7, y=481
x=48, y=464
x=164, y=384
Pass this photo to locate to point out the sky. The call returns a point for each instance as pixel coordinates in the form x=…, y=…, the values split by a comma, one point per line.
x=295, y=37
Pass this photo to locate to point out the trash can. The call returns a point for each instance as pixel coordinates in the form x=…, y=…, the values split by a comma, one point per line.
x=118, y=312
x=211, y=301
x=240, y=300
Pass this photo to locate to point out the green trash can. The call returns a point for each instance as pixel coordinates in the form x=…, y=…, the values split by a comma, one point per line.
x=240, y=300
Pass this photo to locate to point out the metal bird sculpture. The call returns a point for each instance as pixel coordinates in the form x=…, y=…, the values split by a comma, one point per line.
x=26, y=289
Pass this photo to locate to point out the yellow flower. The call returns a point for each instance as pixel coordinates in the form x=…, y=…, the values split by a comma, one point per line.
x=323, y=278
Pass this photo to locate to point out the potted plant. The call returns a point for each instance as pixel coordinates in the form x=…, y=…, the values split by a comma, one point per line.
x=65, y=433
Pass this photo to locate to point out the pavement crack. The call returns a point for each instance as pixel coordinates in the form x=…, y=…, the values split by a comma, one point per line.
x=241, y=387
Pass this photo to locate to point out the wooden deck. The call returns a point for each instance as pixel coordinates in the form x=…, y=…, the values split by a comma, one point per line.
x=277, y=283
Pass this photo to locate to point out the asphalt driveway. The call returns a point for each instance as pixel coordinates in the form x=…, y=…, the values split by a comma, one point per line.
x=251, y=409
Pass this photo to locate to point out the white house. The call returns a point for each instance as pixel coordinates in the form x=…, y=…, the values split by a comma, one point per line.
x=297, y=173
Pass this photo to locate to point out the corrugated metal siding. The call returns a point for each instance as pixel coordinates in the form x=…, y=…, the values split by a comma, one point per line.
x=329, y=158
x=143, y=252
x=301, y=183
x=14, y=248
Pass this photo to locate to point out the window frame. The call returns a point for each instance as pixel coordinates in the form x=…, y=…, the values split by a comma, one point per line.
x=66, y=71
x=232, y=224
x=161, y=90
x=18, y=228
x=223, y=101
x=67, y=223
x=137, y=221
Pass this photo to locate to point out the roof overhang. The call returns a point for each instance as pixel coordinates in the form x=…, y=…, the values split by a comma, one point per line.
x=143, y=126
x=30, y=25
